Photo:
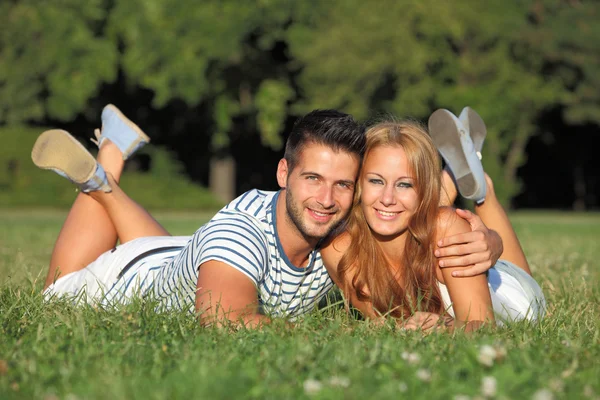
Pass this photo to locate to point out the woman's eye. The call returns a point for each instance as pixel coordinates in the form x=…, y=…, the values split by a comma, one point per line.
x=405, y=185
x=375, y=181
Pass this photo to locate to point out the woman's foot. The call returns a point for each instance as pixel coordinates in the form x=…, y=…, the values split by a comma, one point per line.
x=120, y=130
x=456, y=147
x=60, y=152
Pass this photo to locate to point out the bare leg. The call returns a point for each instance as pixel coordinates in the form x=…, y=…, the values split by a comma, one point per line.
x=91, y=229
x=88, y=231
x=494, y=217
x=130, y=220
x=448, y=192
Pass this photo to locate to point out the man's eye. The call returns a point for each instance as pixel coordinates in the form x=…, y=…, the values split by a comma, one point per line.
x=344, y=185
x=311, y=178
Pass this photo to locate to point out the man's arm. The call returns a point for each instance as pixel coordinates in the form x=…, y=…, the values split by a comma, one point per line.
x=479, y=249
x=226, y=295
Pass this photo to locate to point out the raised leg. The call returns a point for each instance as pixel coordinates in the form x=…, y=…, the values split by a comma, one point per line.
x=88, y=230
x=130, y=220
x=448, y=191
x=494, y=217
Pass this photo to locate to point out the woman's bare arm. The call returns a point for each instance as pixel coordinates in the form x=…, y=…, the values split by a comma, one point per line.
x=470, y=296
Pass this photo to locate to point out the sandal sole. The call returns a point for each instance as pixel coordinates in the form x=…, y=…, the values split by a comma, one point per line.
x=58, y=150
x=446, y=137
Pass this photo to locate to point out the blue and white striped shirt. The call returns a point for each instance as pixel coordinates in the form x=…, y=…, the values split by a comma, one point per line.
x=243, y=235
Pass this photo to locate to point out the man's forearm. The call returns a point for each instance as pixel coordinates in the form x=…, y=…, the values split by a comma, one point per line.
x=236, y=320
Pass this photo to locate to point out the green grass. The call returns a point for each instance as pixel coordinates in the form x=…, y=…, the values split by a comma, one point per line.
x=53, y=350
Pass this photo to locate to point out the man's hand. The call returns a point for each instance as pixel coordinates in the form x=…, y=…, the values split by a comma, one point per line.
x=227, y=297
x=479, y=248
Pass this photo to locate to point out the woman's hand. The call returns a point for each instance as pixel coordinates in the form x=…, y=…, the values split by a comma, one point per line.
x=426, y=321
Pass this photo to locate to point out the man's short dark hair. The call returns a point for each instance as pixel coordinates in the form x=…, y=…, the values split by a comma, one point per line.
x=331, y=128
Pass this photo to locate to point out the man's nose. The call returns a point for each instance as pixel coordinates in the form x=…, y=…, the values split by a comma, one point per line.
x=325, y=198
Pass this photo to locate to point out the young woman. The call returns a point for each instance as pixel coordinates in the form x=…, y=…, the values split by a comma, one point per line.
x=385, y=262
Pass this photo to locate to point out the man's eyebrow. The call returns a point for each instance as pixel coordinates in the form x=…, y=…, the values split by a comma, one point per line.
x=344, y=181
x=310, y=173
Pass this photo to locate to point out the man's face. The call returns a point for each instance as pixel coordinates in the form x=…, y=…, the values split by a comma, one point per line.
x=319, y=190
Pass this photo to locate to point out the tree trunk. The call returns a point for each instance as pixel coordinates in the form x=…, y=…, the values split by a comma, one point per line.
x=516, y=153
x=222, y=177
x=579, y=188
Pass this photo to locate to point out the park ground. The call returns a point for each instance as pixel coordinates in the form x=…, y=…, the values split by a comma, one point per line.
x=57, y=351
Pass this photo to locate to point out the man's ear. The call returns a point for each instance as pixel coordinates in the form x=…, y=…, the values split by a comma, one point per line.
x=282, y=173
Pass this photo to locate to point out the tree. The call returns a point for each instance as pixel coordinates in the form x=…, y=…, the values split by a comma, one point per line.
x=49, y=68
x=404, y=59
x=227, y=70
x=562, y=42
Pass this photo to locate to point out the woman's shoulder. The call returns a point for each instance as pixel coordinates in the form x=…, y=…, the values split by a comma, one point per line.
x=337, y=246
x=333, y=251
x=449, y=223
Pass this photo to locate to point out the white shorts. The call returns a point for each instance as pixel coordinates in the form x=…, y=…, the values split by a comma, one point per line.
x=94, y=283
x=515, y=294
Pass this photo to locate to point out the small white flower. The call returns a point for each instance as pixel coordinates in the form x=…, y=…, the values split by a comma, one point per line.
x=424, y=374
x=489, y=386
x=339, y=381
x=487, y=355
x=588, y=391
x=402, y=387
x=557, y=385
x=543, y=394
x=312, y=386
x=461, y=397
x=411, y=358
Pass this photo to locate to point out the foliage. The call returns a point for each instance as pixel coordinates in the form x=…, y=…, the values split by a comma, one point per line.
x=50, y=67
x=23, y=184
x=460, y=55
x=53, y=349
x=250, y=66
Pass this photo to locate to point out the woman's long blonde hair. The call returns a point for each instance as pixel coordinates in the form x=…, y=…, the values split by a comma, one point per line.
x=418, y=290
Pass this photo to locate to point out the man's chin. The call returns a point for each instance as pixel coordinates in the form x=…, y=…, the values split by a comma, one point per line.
x=320, y=232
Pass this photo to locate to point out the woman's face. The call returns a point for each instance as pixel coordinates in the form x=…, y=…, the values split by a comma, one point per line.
x=388, y=197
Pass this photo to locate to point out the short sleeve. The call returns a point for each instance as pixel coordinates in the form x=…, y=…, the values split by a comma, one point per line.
x=235, y=240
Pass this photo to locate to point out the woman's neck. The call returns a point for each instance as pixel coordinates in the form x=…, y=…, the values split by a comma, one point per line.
x=393, y=249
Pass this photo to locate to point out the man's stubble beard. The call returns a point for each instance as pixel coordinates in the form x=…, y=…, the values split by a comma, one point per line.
x=294, y=215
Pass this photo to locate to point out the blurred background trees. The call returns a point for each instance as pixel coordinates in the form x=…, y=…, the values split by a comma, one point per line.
x=219, y=82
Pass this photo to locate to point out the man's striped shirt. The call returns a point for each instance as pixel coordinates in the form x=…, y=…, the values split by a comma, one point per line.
x=244, y=236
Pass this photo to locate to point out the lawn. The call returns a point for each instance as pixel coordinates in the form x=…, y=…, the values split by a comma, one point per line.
x=56, y=351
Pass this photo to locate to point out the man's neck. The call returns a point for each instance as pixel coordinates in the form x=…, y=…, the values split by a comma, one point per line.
x=296, y=247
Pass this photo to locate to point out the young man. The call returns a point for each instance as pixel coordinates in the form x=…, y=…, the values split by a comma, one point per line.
x=258, y=256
